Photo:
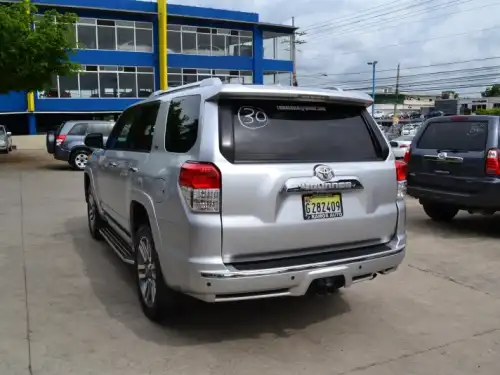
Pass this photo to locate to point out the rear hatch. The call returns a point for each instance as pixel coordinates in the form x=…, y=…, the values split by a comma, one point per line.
x=301, y=178
x=50, y=139
x=449, y=155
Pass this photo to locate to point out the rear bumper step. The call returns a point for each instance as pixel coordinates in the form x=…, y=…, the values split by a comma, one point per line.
x=213, y=286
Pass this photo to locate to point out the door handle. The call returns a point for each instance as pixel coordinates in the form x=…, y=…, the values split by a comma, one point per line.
x=133, y=169
x=113, y=165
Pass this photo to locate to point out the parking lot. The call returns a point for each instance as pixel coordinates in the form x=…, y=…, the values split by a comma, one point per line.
x=69, y=306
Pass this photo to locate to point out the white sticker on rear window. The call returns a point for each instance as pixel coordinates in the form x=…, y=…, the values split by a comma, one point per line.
x=252, y=117
x=300, y=108
x=476, y=129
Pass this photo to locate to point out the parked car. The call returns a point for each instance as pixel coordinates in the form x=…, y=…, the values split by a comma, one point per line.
x=378, y=115
x=67, y=143
x=454, y=164
x=408, y=129
x=400, y=145
x=5, y=140
x=214, y=190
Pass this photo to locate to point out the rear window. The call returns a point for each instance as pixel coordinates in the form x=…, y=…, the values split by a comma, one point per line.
x=255, y=130
x=450, y=135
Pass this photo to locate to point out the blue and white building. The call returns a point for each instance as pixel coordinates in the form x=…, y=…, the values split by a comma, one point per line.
x=119, y=54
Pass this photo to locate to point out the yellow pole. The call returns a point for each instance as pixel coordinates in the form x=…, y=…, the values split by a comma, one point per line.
x=30, y=96
x=163, y=43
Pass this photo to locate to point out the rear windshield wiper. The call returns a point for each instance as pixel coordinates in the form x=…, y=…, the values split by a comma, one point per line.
x=451, y=150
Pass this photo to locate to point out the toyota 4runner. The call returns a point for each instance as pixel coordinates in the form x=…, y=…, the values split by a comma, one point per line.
x=234, y=192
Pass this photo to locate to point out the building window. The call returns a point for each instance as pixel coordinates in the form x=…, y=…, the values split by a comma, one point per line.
x=277, y=46
x=278, y=78
x=178, y=77
x=103, y=82
x=114, y=35
x=191, y=40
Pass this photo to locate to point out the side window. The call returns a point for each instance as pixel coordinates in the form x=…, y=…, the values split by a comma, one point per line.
x=101, y=127
x=118, y=137
x=140, y=137
x=79, y=129
x=182, y=123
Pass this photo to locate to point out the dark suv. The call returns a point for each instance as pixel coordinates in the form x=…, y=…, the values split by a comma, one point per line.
x=67, y=144
x=454, y=164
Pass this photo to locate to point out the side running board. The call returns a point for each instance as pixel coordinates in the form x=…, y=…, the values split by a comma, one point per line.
x=119, y=246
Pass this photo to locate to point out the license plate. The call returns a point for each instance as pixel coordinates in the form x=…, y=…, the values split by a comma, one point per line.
x=322, y=206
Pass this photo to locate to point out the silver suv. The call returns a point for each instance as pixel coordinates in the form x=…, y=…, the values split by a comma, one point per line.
x=231, y=192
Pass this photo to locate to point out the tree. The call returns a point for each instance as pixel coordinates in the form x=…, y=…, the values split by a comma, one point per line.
x=34, y=47
x=449, y=95
x=491, y=91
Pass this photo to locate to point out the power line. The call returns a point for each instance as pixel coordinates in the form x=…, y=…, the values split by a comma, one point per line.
x=321, y=24
x=412, y=76
x=484, y=80
x=441, y=84
x=371, y=31
x=407, y=68
x=409, y=82
x=396, y=17
x=359, y=18
x=421, y=40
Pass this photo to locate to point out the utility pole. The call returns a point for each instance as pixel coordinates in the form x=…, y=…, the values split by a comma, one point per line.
x=373, y=64
x=293, y=48
x=394, y=117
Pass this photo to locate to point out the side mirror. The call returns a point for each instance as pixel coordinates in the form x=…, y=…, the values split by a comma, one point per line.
x=9, y=134
x=94, y=140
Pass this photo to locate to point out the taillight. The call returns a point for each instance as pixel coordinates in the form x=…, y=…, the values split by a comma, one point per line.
x=403, y=146
x=492, y=166
x=401, y=173
x=200, y=184
x=60, y=139
x=407, y=156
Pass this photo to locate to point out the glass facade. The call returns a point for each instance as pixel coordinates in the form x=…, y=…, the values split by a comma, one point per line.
x=208, y=41
x=278, y=78
x=103, y=82
x=277, y=46
x=114, y=35
x=182, y=76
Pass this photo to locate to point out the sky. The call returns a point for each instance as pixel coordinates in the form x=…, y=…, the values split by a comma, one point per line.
x=341, y=36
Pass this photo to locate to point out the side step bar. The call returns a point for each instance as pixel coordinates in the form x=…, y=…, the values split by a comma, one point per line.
x=119, y=246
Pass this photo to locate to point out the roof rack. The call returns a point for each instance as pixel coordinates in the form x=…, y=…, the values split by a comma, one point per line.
x=213, y=81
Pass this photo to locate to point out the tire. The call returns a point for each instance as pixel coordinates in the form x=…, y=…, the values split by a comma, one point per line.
x=78, y=159
x=93, y=216
x=440, y=212
x=157, y=300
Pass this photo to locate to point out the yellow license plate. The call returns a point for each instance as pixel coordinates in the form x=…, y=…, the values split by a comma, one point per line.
x=322, y=206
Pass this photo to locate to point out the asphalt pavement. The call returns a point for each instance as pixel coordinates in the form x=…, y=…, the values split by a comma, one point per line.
x=69, y=306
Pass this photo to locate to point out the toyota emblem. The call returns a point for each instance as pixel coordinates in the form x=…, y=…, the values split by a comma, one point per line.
x=442, y=155
x=323, y=172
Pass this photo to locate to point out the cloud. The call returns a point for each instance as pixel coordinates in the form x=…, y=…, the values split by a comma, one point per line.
x=343, y=35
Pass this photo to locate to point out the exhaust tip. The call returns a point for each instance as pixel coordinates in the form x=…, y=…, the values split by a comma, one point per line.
x=327, y=285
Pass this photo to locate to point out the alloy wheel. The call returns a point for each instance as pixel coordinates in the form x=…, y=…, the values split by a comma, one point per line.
x=81, y=160
x=146, y=270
